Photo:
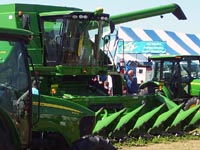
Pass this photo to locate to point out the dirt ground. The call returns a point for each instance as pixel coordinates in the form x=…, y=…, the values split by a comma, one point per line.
x=182, y=145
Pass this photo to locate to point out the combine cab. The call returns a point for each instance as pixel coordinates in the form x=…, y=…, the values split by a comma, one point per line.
x=71, y=67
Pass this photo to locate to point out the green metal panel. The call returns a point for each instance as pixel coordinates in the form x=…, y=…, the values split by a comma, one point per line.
x=5, y=51
x=195, y=87
x=126, y=118
x=169, y=103
x=58, y=115
x=170, y=8
x=15, y=33
x=182, y=120
x=103, y=126
x=55, y=13
x=33, y=8
x=164, y=120
x=194, y=123
x=145, y=122
x=8, y=19
x=126, y=122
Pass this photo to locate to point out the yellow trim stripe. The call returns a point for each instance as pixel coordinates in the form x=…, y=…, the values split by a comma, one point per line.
x=193, y=83
x=80, y=45
x=56, y=106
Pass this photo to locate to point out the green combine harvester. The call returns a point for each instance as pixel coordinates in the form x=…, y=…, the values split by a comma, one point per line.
x=67, y=60
x=37, y=121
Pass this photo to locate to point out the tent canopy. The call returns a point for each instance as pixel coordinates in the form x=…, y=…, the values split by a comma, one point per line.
x=140, y=43
x=176, y=42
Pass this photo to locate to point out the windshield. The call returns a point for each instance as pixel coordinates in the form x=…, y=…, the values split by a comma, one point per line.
x=184, y=69
x=192, y=68
x=71, y=41
x=13, y=76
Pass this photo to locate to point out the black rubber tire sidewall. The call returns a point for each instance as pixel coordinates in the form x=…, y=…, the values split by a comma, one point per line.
x=93, y=143
x=190, y=102
x=5, y=138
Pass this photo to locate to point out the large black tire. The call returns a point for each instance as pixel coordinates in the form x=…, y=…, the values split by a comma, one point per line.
x=5, y=138
x=190, y=103
x=48, y=141
x=93, y=143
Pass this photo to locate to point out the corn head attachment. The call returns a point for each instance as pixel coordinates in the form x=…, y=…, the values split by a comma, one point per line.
x=147, y=115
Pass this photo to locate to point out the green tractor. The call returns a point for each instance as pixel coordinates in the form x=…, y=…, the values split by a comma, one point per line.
x=176, y=77
x=37, y=121
x=68, y=60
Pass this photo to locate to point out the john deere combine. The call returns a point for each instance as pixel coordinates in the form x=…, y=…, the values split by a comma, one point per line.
x=37, y=121
x=70, y=66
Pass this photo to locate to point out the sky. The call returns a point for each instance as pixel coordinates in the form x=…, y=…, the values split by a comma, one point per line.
x=113, y=7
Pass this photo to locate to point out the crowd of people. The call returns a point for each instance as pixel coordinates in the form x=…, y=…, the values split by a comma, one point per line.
x=105, y=83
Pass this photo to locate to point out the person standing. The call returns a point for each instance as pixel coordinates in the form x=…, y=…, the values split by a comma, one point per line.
x=110, y=85
x=132, y=86
x=35, y=86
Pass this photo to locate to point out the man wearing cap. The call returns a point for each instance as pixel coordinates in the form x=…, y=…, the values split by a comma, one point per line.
x=132, y=86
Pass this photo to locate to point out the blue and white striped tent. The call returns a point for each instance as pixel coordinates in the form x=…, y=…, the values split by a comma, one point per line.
x=171, y=42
